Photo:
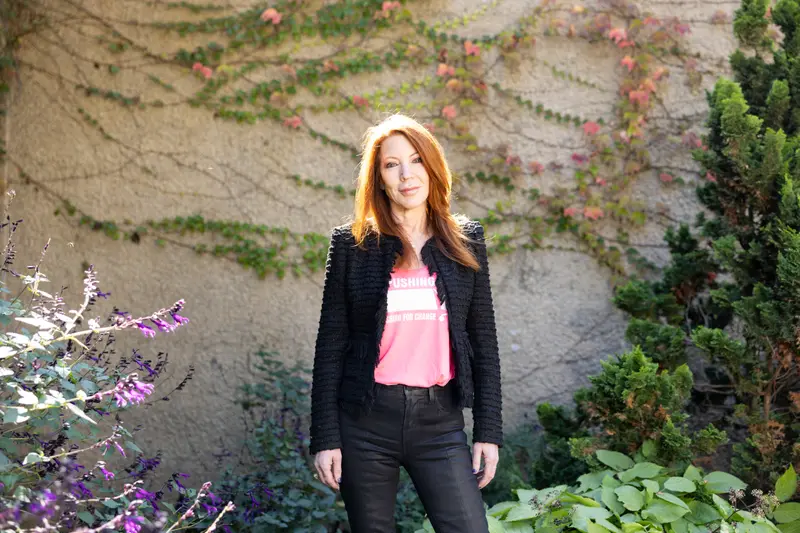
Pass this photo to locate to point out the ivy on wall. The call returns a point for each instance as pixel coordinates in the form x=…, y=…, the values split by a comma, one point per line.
x=593, y=204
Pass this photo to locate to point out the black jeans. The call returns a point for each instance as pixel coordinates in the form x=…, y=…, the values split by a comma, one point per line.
x=421, y=430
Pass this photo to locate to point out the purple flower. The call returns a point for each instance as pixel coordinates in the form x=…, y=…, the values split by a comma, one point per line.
x=179, y=320
x=102, y=294
x=81, y=491
x=210, y=509
x=146, y=330
x=133, y=523
x=214, y=498
x=149, y=496
x=106, y=474
x=162, y=325
x=119, y=449
x=41, y=506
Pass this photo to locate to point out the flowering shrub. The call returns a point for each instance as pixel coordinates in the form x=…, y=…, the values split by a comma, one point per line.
x=63, y=389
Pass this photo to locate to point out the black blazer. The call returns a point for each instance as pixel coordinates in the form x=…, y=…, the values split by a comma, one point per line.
x=354, y=303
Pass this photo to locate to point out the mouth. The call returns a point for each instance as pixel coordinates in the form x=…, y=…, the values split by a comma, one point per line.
x=409, y=191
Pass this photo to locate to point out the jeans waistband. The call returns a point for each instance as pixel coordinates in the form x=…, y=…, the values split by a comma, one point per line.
x=411, y=391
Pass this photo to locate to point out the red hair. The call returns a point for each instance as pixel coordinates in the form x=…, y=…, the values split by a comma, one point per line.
x=373, y=209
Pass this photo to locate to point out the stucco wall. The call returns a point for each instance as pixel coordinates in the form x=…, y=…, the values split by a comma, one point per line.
x=555, y=319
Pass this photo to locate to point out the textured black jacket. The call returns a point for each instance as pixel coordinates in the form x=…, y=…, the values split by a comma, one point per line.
x=352, y=319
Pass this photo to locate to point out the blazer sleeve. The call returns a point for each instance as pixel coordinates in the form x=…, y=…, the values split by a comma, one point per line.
x=332, y=340
x=487, y=407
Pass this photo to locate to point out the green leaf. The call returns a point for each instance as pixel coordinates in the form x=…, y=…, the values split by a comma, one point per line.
x=680, y=526
x=724, y=508
x=581, y=515
x=495, y=526
x=568, y=496
x=32, y=458
x=87, y=517
x=787, y=512
x=671, y=498
x=641, y=471
x=719, y=482
x=609, y=497
x=786, y=485
x=702, y=513
x=693, y=473
x=663, y=512
x=651, y=486
x=525, y=495
x=517, y=527
x=615, y=460
x=593, y=480
x=649, y=448
x=791, y=527
x=632, y=527
x=523, y=511
x=680, y=484
x=78, y=411
x=608, y=525
x=631, y=498
x=591, y=527
x=131, y=446
x=27, y=397
x=499, y=510
x=5, y=464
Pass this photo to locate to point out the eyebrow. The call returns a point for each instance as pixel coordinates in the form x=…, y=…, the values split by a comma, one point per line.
x=393, y=157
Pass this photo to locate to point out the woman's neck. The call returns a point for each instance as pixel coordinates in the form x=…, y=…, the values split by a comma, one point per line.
x=414, y=223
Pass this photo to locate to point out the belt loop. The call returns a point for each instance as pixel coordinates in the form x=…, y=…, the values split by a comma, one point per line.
x=430, y=394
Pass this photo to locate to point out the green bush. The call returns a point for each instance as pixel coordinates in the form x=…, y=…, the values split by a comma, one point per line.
x=637, y=496
x=276, y=489
x=751, y=164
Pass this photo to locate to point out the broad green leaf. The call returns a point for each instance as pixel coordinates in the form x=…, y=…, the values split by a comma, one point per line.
x=611, y=481
x=523, y=511
x=719, y=482
x=591, y=527
x=663, y=512
x=631, y=498
x=593, y=480
x=6, y=372
x=632, y=527
x=7, y=351
x=641, y=471
x=517, y=527
x=649, y=448
x=693, y=473
x=608, y=525
x=495, y=526
x=32, y=458
x=5, y=464
x=609, y=497
x=86, y=517
x=786, y=485
x=680, y=484
x=724, y=508
x=77, y=410
x=131, y=446
x=499, y=510
x=27, y=397
x=615, y=460
x=37, y=322
x=525, y=495
x=568, y=496
x=680, y=526
x=671, y=498
x=787, y=512
x=629, y=518
x=651, y=486
x=581, y=514
x=702, y=513
x=791, y=527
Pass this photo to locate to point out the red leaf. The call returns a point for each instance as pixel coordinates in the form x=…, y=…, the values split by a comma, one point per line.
x=590, y=127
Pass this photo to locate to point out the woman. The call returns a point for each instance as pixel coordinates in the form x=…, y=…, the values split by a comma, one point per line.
x=406, y=340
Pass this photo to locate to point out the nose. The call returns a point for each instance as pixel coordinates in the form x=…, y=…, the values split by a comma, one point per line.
x=405, y=170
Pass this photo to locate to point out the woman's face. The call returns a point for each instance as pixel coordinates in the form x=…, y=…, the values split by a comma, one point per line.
x=402, y=173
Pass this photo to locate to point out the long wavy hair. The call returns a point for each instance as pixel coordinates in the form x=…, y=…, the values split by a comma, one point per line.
x=373, y=213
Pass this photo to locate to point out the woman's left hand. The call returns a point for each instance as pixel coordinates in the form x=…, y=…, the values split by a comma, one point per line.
x=490, y=454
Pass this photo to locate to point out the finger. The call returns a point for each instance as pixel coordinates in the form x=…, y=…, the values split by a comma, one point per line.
x=327, y=472
x=337, y=470
x=488, y=473
x=477, y=451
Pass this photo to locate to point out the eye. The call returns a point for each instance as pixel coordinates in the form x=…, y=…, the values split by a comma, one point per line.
x=390, y=164
x=417, y=160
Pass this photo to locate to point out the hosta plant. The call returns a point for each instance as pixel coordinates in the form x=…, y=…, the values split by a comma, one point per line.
x=629, y=496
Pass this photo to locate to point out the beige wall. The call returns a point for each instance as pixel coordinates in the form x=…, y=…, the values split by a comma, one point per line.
x=554, y=314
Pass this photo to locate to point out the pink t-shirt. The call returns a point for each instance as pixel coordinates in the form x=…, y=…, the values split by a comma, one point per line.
x=415, y=347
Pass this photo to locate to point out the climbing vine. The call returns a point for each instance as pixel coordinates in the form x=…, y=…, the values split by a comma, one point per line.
x=448, y=84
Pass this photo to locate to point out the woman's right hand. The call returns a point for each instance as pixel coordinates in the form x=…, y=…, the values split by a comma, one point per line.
x=329, y=467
